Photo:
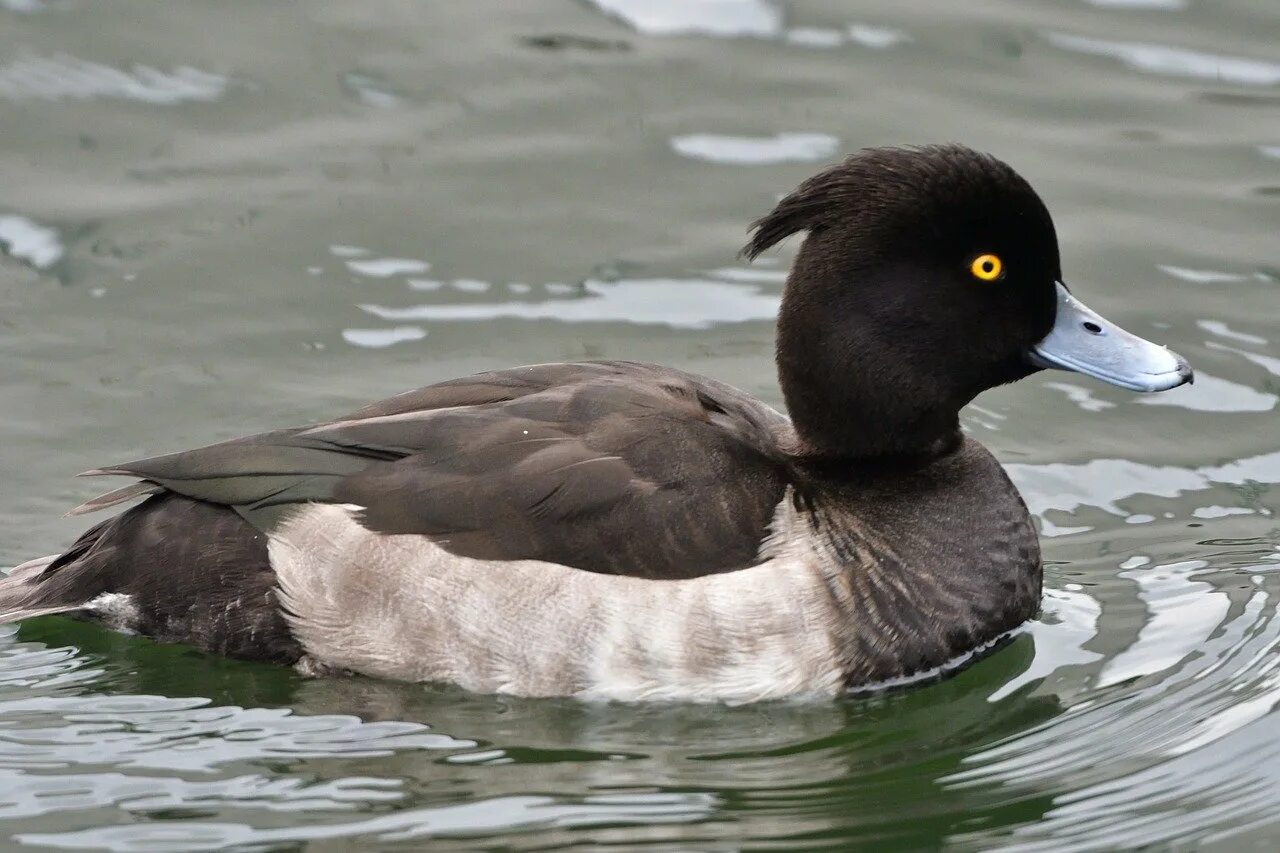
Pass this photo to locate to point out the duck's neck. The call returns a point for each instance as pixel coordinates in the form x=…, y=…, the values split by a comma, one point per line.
x=847, y=405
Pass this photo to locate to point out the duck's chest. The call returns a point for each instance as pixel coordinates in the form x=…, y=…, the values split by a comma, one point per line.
x=931, y=566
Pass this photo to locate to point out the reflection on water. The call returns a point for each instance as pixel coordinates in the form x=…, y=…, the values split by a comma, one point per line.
x=378, y=338
x=1068, y=620
x=868, y=35
x=1222, y=330
x=677, y=303
x=1178, y=62
x=1214, y=394
x=1202, y=276
x=477, y=818
x=1268, y=363
x=1190, y=746
x=1081, y=396
x=697, y=17
x=60, y=76
x=723, y=295
x=371, y=89
x=1098, y=484
x=756, y=151
x=1183, y=613
x=1140, y=4
x=215, y=223
x=29, y=241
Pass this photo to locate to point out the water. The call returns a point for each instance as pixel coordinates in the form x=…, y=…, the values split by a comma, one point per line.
x=217, y=220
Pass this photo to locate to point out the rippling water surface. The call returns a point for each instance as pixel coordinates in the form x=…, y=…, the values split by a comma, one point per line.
x=218, y=219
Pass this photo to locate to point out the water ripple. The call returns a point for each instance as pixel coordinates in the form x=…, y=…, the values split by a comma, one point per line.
x=676, y=303
x=29, y=241
x=1101, y=483
x=476, y=818
x=28, y=794
x=59, y=77
x=1173, y=61
x=697, y=17
x=756, y=150
x=1220, y=690
x=380, y=338
x=1213, y=394
x=186, y=734
x=1201, y=276
x=1183, y=613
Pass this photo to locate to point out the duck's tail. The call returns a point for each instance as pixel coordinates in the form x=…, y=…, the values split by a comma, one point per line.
x=171, y=568
x=23, y=597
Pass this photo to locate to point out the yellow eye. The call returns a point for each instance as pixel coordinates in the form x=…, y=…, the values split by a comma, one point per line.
x=987, y=267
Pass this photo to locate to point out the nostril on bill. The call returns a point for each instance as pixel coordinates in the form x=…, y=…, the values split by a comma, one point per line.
x=1092, y=327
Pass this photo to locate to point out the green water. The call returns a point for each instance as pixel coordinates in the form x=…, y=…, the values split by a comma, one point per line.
x=223, y=217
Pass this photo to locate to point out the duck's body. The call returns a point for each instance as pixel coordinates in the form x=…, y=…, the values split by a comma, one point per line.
x=623, y=530
x=747, y=574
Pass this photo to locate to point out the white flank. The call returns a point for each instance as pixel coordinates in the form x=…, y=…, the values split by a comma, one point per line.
x=402, y=607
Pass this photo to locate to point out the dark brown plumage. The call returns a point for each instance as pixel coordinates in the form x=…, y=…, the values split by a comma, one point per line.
x=565, y=463
x=632, y=469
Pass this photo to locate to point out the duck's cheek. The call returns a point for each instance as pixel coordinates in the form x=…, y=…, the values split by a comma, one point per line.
x=1084, y=342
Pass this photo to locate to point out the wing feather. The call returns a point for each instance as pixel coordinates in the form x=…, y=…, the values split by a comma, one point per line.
x=614, y=467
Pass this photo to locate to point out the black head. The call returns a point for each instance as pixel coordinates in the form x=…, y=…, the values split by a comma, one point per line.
x=927, y=275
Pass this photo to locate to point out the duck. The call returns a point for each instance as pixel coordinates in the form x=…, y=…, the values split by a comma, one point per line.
x=618, y=530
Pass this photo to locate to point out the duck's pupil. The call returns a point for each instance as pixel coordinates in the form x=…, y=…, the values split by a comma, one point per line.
x=987, y=266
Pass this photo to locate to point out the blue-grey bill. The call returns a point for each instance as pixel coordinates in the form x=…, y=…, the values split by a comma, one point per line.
x=1084, y=342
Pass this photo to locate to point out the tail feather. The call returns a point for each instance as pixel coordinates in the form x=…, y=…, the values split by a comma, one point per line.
x=171, y=568
x=116, y=496
x=21, y=598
